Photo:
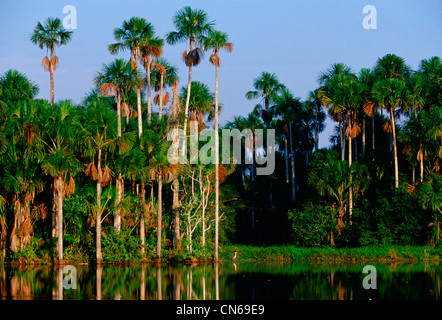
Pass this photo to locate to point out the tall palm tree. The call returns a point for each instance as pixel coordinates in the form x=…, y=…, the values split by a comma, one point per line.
x=192, y=25
x=115, y=79
x=164, y=75
x=50, y=35
x=314, y=105
x=326, y=81
x=267, y=87
x=133, y=35
x=217, y=40
x=151, y=49
x=390, y=93
x=97, y=134
x=60, y=162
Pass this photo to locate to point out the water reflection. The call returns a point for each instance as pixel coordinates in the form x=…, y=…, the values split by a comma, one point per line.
x=223, y=281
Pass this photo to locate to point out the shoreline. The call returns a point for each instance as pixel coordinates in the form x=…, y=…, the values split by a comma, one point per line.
x=284, y=253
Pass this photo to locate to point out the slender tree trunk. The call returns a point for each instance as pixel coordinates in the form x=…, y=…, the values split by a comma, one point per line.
x=186, y=110
x=363, y=136
x=286, y=157
x=372, y=138
x=176, y=183
x=149, y=98
x=341, y=134
x=51, y=73
x=59, y=187
x=316, y=129
x=139, y=116
x=292, y=161
x=119, y=180
x=216, y=167
x=396, y=166
x=161, y=98
x=160, y=213
x=99, y=255
x=421, y=161
x=22, y=228
x=142, y=218
x=350, y=192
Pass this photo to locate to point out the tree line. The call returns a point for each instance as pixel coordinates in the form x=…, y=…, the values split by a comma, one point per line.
x=93, y=181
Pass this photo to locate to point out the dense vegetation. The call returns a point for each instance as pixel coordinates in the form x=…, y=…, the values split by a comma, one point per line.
x=95, y=181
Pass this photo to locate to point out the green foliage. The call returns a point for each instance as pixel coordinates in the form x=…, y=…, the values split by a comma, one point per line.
x=120, y=247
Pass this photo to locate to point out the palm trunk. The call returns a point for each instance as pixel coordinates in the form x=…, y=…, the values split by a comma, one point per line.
x=292, y=161
x=149, y=98
x=216, y=167
x=363, y=136
x=119, y=195
x=396, y=165
x=139, y=116
x=421, y=160
x=341, y=134
x=119, y=181
x=372, y=138
x=350, y=192
x=99, y=255
x=51, y=73
x=286, y=157
x=22, y=228
x=59, y=189
x=186, y=110
x=161, y=99
x=160, y=212
x=142, y=220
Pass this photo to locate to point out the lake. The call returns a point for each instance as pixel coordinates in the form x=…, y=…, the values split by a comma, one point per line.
x=224, y=281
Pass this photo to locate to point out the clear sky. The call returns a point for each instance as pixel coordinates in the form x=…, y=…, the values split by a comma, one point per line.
x=294, y=39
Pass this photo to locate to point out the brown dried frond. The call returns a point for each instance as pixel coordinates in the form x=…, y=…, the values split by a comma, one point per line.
x=387, y=127
x=152, y=64
x=161, y=69
x=166, y=98
x=91, y=171
x=45, y=63
x=132, y=63
x=228, y=47
x=369, y=108
x=192, y=117
x=185, y=58
x=407, y=148
x=156, y=99
x=108, y=89
x=39, y=211
x=215, y=60
x=70, y=188
x=106, y=176
x=353, y=131
x=133, y=114
x=125, y=109
x=440, y=152
x=54, y=63
x=436, y=167
x=153, y=174
x=411, y=189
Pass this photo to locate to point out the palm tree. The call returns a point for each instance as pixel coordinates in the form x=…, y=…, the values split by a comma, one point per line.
x=314, y=105
x=22, y=157
x=152, y=48
x=97, y=134
x=326, y=81
x=217, y=40
x=16, y=87
x=60, y=162
x=114, y=80
x=267, y=87
x=390, y=93
x=50, y=35
x=133, y=35
x=164, y=75
x=201, y=101
x=430, y=197
x=191, y=26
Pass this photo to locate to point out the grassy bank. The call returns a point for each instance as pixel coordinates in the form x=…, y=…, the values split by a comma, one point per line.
x=293, y=253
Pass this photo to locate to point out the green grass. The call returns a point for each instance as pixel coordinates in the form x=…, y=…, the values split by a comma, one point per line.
x=293, y=253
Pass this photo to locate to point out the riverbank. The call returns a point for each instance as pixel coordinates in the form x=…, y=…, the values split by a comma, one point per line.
x=369, y=253
x=286, y=253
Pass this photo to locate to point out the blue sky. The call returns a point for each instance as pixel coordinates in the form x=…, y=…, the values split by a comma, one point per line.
x=294, y=39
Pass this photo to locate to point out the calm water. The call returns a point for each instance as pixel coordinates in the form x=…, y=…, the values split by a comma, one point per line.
x=324, y=281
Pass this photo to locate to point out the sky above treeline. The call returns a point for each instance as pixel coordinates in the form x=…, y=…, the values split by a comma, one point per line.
x=294, y=39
